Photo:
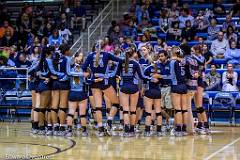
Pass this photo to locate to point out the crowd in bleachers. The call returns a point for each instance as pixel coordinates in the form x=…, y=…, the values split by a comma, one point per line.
x=211, y=25
x=36, y=25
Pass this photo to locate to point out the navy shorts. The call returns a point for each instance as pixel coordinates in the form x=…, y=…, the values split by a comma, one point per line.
x=100, y=85
x=153, y=94
x=77, y=96
x=33, y=85
x=129, y=88
x=112, y=82
x=58, y=85
x=179, y=89
x=42, y=86
x=201, y=83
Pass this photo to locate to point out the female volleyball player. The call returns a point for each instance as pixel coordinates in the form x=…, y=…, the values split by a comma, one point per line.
x=97, y=61
x=77, y=96
x=179, y=91
x=202, y=126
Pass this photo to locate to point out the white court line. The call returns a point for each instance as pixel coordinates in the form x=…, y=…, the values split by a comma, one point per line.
x=222, y=149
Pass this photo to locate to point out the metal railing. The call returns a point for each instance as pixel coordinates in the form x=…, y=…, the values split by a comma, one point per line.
x=15, y=69
x=95, y=30
x=78, y=45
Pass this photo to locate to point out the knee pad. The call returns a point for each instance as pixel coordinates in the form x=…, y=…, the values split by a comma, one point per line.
x=159, y=114
x=116, y=106
x=70, y=115
x=93, y=111
x=133, y=112
x=200, y=110
x=42, y=110
x=184, y=111
x=83, y=116
x=178, y=111
x=125, y=112
x=37, y=109
x=108, y=110
x=63, y=109
x=98, y=109
x=54, y=110
x=120, y=108
x=148, y=114
x=48, y=110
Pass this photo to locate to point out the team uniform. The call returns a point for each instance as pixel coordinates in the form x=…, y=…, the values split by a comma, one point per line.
x=201, y=63
x=191, y=69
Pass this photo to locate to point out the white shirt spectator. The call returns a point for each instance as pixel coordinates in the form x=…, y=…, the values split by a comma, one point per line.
x=183, y=19
x=219, y=47
x=229, y=84
x=65, y=35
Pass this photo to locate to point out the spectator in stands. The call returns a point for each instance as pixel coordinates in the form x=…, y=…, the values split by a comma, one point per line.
x=218, y=8
x=111, y=28
x=174, y=33
x=145, y=23
x=174, y=9
x=108, y=46
x=228, y=22
x=219, y=46
x=143, y=42
x=4, y=15
x=233, y=54
x=213, y=30
x=7, y=40
x=142, y=14
x=35, y=54
x=22, y=62
x=184, y=17
x=229, y=79
x=79, y=13
x=25, y=27
x=164, y=21
x=201, y=22
x=230, y=35
x=129, y=30
x=151, y=8
x=207, y=55
x=64, y=32
x=213, y=80
x=188, y=32
x=47, y=30
x=55, y=39
x=173, y=17
x=63, y=21
x=235, y=11
x=161, y=45
x=5, y=27
x=114, y=36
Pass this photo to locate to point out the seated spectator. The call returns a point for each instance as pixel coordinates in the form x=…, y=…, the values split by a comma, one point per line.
x=235, y=9
x=213, y=30
x=79, y=13
x=64, y=32
x=143, y=24
x=63, y=21
x=207, y=54
x=55, y=39
x=161, y=45
x=174, y=9
x=213, y=80
x=201, y=22
x=129, y=30
x=228, y=22
x=142, y=14
x=233, y=54
x=173, y=18
x=22, y=62
x=184, y=17
x=25, y=27
x=230, y=35
x=229, y=79
x=164, y=22
x=114, y=36
x=7, y=40
x=47, y=30
x=219, y=46
x=5, y=27
x=188, y=32
x=174, y=33
x=108, y=46
x=218, y=8
x=143, y=42
x=111, y=28
x=35, y=54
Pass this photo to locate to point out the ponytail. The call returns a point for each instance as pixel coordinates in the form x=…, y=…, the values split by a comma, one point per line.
x=97, y=58
x=126, y=62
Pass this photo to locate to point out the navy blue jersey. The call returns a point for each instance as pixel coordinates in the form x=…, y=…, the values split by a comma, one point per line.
x=166, y=73
x=201, y=63
x=178, y=72
x=149, y=71
x=133, y=70
x=59, y=69
x=144, y=63
x=44, y=70
x=191, y=69
x=102, y=65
